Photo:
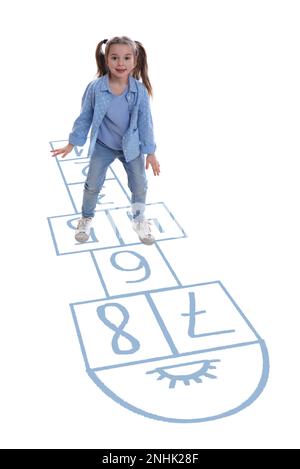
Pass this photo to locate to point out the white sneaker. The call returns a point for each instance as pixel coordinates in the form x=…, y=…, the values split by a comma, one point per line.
x=83, y=229
x=143, y=230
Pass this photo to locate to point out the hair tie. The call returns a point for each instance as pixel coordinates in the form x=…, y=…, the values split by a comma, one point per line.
x=105, y=41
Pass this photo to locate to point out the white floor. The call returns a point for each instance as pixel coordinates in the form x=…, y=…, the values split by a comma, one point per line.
x=226, y=116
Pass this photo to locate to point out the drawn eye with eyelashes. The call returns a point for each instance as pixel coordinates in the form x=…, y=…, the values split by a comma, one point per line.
x=187, y=377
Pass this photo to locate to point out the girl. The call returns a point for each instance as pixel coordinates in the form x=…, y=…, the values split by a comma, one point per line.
x=117, y=107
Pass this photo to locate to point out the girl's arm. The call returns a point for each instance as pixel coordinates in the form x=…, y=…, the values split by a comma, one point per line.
x=145, y=124
x=83, y=122
x=81, y=125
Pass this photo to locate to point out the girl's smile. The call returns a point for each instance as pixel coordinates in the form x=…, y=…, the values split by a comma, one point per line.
x=120, y=60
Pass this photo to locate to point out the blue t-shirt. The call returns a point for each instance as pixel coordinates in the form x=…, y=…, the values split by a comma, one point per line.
x=115, y=122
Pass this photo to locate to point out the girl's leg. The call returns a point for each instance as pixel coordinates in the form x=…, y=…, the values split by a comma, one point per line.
x=100, y=160
x=137, y=183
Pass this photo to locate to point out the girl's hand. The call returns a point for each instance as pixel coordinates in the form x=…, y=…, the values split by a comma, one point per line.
x=63, y=151
x=152, y=160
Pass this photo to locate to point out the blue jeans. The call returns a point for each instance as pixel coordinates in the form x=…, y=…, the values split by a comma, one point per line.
x=100, y=160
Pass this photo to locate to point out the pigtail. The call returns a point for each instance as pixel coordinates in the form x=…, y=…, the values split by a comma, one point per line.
x=100, y=59
x=141, y=69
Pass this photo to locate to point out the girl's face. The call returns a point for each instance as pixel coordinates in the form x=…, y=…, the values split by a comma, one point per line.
x=121, y=60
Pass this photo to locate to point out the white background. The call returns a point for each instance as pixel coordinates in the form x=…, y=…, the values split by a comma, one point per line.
x=226, y=113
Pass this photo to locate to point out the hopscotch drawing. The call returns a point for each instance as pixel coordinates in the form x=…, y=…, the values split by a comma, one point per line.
x=168, y=351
